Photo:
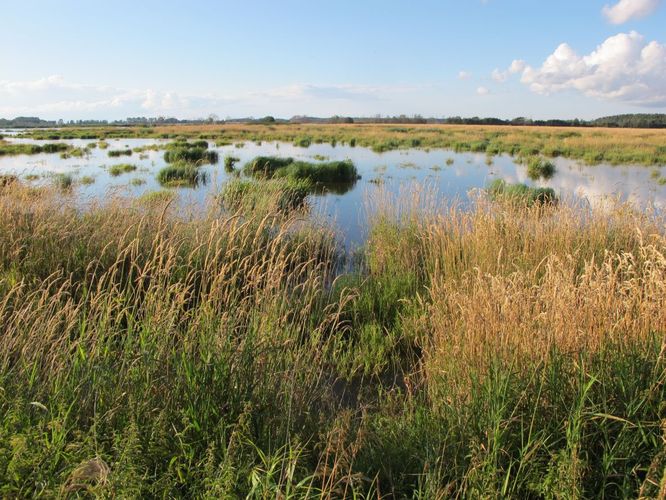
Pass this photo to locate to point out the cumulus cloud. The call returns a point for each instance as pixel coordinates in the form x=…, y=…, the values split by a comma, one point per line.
x=517, y=66
x=625, y=10
x=623, y=68
x=482, y=91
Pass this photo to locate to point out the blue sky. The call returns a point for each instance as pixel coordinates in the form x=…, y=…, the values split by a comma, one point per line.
x=82, y=59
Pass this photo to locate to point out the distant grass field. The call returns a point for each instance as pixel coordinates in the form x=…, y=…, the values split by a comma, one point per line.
x=591, y=145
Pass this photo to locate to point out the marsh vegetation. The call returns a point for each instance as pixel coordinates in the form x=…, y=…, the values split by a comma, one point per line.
x=499, y=350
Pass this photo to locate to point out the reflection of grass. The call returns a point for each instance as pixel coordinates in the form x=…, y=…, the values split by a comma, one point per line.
x=123, y=168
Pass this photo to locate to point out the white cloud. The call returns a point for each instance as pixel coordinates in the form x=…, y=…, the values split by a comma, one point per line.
x=499, y=76
x=482, y=91
x=623, y=68
x=464, y=75
x=625, y=10
x=517, y=66
x=53, y=96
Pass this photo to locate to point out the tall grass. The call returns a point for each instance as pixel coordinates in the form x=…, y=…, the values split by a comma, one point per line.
x=497, y=351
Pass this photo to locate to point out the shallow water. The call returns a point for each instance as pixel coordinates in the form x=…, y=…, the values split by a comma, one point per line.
x=390, y=170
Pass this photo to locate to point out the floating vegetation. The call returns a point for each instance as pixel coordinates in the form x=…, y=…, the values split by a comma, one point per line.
x=102, y=145
x=449, y=162
x=521, y=194
x=123, y=168
x=538, y=168
x=320, y=158
x=119, y=152
x=137, y=181
x=86, y=180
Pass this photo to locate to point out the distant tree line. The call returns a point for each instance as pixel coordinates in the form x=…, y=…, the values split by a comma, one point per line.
x=618, y=121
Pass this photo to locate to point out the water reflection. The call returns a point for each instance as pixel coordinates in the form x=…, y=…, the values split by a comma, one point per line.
x=453, y=175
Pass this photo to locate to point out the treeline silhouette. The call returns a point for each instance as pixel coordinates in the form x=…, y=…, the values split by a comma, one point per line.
x=639, y=120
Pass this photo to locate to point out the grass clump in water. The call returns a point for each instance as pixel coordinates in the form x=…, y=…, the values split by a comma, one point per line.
x=86, y=180
x=230, y=162
x=521, y=194
x=335, y=172
x=190, y=152
x=119, y=152
x=181, y=174
x=64, y=182
x=123, y=168
x=538, y=168
x=342, y=172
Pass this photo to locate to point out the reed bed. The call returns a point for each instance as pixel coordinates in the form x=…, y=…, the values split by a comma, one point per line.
x=481, y=351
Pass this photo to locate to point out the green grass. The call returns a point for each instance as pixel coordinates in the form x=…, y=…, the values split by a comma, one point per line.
x=7, y=148
x=87, y=180
x=521, y=194
x=123, y=168
x=119, y=152
x=63, y=182
x=190, y=152
x=230, y=162
x=341, y=172
x=485, y=353
x=137, y=181
x=181, y=174
x=538, y=168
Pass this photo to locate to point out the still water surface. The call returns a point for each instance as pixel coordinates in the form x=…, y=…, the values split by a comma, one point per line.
x=453, y=179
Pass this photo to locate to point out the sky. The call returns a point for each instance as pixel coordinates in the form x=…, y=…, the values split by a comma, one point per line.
x=76, y=59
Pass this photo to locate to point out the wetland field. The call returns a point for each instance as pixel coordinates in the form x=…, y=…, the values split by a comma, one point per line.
x=364, y=311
